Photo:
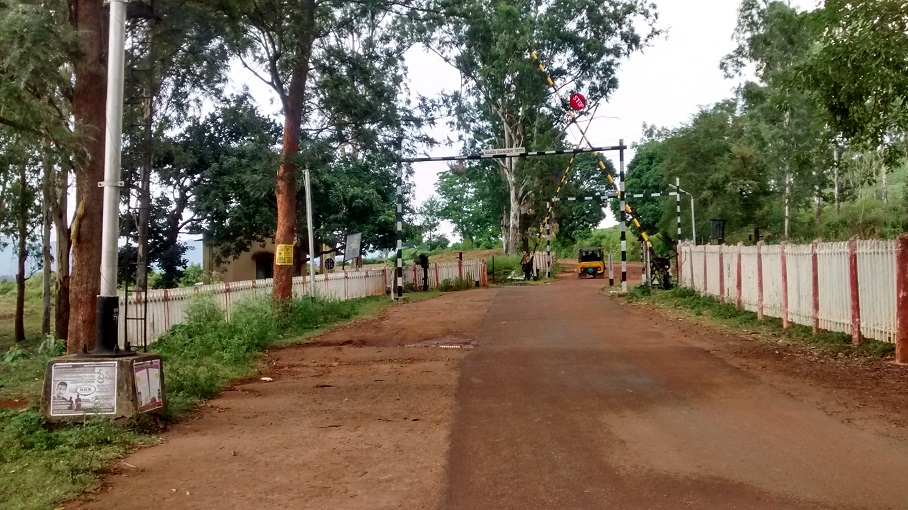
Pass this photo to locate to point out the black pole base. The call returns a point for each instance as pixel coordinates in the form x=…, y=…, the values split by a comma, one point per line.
x=107, y=313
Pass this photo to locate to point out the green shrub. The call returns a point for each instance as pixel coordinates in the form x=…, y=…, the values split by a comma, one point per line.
x=206, y=352
x=500, y=269
x=454, y=284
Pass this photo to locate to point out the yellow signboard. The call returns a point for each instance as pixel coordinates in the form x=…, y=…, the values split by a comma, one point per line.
x=284, y=255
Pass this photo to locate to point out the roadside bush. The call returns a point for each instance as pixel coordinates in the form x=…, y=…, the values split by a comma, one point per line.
x=454, y=284
x=501, y=268
x=207, y=352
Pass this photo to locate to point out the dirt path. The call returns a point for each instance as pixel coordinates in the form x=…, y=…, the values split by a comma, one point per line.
x=364, y=425
x=569, y=400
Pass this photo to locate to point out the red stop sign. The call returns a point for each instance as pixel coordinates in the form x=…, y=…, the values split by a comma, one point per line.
x=578, y=102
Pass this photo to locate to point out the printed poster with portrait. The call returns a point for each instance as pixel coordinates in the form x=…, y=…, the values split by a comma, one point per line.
x=82, y=388
x=148, y=385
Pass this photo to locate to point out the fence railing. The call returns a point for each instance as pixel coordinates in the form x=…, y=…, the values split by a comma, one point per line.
x=168, y=307
x=472, y=270
x=856, y=287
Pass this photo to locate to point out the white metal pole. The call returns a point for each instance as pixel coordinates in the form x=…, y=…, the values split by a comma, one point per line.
x=113, y=143
x=311, y=236
x=107, y=305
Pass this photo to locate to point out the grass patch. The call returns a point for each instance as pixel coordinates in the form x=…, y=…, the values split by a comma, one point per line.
x=454, y=284
x=726, y=314
x=41, y=465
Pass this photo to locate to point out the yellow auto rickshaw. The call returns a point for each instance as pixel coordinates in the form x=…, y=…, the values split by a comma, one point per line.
x=590, y=263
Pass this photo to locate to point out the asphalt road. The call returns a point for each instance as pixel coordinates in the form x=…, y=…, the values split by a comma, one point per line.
x=571, y=402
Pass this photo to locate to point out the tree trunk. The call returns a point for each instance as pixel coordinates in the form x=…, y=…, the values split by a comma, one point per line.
x=286, y=173
x=47, y=259
x=513, y=242
x=89, y=104
x=61, y=227
x=835, y=178
x=787, y=232
x=23, y=254
x=884, y=180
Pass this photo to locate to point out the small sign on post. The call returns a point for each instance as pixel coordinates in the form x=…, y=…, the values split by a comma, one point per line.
x=578, y=102
x=283, y=255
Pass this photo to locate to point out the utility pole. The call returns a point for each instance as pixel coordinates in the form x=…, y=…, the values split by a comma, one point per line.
x=108, y=303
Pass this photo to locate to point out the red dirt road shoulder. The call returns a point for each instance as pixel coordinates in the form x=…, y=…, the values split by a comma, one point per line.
x=356, y=421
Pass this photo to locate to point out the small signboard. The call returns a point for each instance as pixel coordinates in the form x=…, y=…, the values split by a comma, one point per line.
x=82, y=388
x=513, y=151
x=353, y=246
x=578, y=102
x=329, y=264
x=283, y=255
x=148, y=385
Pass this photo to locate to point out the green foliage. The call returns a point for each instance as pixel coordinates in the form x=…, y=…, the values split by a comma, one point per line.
x=766, y=159
x=454, y=284
x=501, y=269
x=15, y=353
x=856, y=71
x=42, y=466
x=192, y=275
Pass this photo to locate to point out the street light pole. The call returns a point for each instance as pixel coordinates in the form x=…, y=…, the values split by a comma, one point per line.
x=107, y=304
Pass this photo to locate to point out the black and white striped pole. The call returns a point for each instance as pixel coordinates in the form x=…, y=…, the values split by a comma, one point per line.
x=399, y=272
x=511, y=153
x=623, y=205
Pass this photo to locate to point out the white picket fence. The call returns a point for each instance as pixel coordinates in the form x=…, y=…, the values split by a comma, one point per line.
x=472, y=270
x=168, y=307
x=809, y=284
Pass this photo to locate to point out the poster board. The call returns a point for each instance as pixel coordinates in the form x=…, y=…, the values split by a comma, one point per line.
x=149, y=394
x=283, y=255
x=353, y=248
x=83, y=387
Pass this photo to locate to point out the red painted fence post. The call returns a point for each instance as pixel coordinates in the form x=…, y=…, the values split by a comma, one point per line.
x=760, y=280
x=786, y=323
x=901, y=299
x=721, y=276
x=815, y=276
x=739, y=300
x=856, y=337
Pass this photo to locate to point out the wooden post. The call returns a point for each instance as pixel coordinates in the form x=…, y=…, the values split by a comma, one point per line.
x=760, y=280
x=901, y=299
x=786, y=323
x=856, y=338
